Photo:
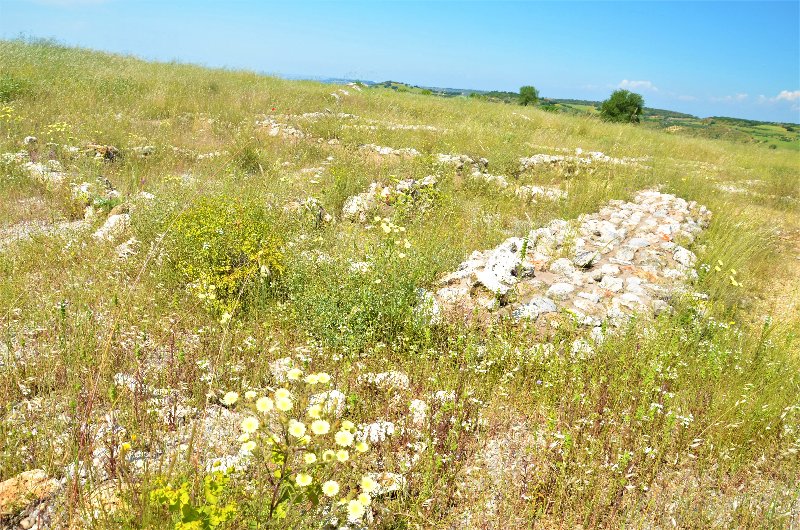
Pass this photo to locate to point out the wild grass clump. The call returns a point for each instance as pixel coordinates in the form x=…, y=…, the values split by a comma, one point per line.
x=12, y=87
x=353, y=303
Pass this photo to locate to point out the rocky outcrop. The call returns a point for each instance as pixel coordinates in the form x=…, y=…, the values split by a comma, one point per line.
x=626, y=258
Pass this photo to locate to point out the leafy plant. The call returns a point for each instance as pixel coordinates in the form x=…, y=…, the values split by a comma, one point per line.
x=224, y=250
x=207, y=513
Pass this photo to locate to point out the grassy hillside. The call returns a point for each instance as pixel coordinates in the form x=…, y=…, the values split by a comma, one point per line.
x=770, y=135
x=141, y=285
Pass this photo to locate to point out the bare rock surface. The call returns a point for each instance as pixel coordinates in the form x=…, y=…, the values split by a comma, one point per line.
x=627, y=258
x=25, y=489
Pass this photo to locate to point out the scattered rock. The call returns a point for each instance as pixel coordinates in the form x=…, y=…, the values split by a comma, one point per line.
x=332, y=402
x=126, y=249
x=27, y=488
x=28, y=229
x=580, y=158
x=375, y=432
x=104, y=152
x=533, y=193
x=358, y=206
x=116, y=225
x=48, y=172
x=388, y=483
x=389, y=151
x=144, y=151
x=392, y=380
x=276, y=128
x=418, y=410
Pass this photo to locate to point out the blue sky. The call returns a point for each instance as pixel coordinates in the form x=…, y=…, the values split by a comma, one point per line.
x=706, y=58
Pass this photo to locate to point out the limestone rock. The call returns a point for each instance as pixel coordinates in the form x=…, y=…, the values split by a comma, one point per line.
x=114, y=227
x=27, y=488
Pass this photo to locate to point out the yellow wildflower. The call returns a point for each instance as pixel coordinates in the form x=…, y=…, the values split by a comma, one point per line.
x=230, y=398
x=297, y=429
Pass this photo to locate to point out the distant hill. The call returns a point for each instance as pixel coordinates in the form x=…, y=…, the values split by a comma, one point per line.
x=773, y=134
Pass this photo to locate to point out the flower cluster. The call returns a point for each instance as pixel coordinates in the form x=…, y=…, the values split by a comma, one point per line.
x=6, y=113
x=392, y=232
x=58, y=129
x=719, y=267
x=306, y=445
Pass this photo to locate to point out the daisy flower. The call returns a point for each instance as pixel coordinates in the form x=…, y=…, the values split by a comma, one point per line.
x=330, y=488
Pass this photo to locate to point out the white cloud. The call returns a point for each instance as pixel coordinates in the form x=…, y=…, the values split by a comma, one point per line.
x=788, y=95
x=730, y=99
x=637, y=85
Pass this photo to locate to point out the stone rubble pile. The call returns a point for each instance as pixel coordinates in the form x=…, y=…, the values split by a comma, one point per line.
x=358, y=206
x=479, y=169
x=386, y=151
x=627, y=258
x=580, y=157
x=374, y=125
x=276, y=128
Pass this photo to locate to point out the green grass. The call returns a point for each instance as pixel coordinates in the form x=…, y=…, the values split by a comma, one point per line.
x=718, y=450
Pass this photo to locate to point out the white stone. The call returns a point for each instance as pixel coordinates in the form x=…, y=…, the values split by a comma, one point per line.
x=114, y=227
x=562, y=266
x=610, y=283
x=560, y=291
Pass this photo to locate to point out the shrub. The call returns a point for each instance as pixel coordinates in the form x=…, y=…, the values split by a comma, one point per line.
x=623, y=106
x=223, y=249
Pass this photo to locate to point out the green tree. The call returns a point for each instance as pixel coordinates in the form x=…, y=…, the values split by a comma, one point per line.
x=528, y=95
x=623, y=106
